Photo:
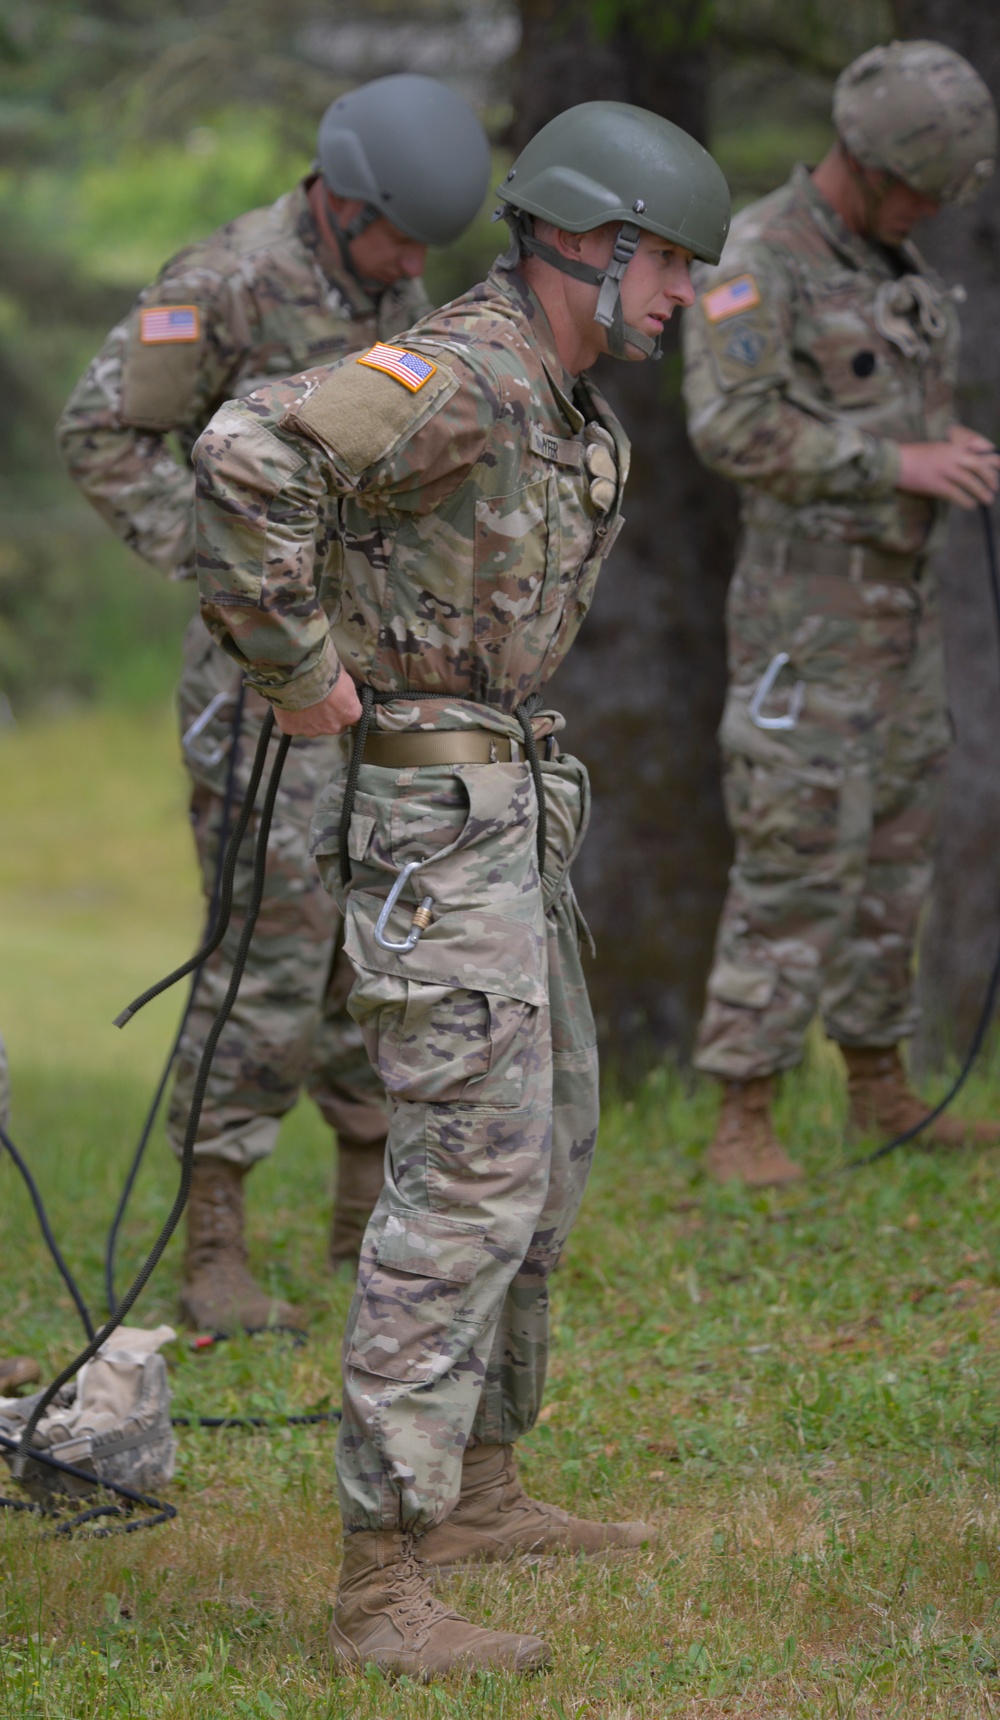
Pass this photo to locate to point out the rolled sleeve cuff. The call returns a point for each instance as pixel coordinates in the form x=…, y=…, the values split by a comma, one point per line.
x=884, y=466
x=305, y=688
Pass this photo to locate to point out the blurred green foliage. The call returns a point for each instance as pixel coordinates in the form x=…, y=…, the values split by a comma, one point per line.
x=127, y=131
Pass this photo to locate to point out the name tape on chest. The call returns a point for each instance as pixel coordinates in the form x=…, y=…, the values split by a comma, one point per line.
x=165, y=323
x=731, y=298
x=407, y=367
x=563, y=452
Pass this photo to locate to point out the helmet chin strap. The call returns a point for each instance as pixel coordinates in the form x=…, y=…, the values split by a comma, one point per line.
x=344, y=232
x=609, y=300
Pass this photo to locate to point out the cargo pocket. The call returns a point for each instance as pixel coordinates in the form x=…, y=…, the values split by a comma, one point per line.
x=747, y=987
x=414, y=1323
x=443, y=1044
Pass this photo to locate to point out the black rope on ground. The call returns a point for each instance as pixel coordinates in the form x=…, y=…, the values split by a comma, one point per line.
x=111, y=1245
x=163, y=1511
x=992, y=990
x=46, y=1229
x=201, y=1080
x=321, y=1418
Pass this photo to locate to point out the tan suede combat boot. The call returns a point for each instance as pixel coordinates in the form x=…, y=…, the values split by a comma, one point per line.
x=495, y=1519
x=360, y=1175
x=218, y=1293
x=882, y=1106
x=17, y=1371
x=387, y=1615
x=745, y=1147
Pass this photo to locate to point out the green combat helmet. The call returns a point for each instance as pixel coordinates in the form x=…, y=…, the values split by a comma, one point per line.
x=610, y=161
x=919, y=111
x=412, y=150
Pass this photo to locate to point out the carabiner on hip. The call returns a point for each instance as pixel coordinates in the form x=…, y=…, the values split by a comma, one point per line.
x=421, y=915
x=194, y=730
x=796, y=699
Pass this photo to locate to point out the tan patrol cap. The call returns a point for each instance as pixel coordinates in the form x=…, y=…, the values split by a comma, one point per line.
x=921, y=112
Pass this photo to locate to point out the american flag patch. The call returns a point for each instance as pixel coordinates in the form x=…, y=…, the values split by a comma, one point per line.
x=169, y=322
x=407, y=367
x=728, y=300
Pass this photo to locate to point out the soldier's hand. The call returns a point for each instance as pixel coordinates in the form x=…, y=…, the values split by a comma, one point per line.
x=340, y=710
x=964, y=470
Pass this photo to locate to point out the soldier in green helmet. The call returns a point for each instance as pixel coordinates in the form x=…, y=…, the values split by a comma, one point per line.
x=820, y=373
x=403, y=163
x=406, y=544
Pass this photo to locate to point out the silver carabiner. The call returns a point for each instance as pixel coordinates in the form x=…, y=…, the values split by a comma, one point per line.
x=421, y=915
x=796, y=700
x=198, y=727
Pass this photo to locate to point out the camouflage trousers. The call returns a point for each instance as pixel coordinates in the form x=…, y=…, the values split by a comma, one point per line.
x=289, y=1027
x=834, y=818
x=484, y=1038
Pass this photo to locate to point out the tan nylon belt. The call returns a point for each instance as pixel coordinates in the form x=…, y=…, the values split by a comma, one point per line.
x=811, y=555
x=439, y=746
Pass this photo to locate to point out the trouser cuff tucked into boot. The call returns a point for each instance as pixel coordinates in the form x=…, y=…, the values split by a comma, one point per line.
x=745, y=1147
x=882, y=1105
x=219, y=1293
x=360, y=1175
x=387, y=1615
x=494, y=1518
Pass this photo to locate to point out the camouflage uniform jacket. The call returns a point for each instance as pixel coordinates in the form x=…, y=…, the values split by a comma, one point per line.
x=268, y=297
x=809, y=356
x=442, y=536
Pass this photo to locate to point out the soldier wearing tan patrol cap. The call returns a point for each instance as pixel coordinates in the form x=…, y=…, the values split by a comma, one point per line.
x=820, y=364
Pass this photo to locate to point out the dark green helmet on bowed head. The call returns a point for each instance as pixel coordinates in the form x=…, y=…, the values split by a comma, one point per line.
x=410, y=149
x=610, y=161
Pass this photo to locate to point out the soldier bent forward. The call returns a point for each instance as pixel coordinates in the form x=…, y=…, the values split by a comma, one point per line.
x=334, y=265
x=429, y=520
x=820, y=371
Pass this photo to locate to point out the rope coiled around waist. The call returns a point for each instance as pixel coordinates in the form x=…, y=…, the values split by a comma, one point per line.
x=369, y=699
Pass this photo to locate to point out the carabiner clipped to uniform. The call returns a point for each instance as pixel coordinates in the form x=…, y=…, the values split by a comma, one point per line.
x=194, y=730
x=421, y=915
x=761, y=692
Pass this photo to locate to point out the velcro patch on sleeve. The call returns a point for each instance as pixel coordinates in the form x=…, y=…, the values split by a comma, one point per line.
x=362, y=414
x=409, y=368
x=165, y=324
x=731, y=298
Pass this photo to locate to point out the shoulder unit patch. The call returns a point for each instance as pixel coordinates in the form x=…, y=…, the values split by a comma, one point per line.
x=361, y=414
x=409, y=368
x=731, y=298
x=164, y=323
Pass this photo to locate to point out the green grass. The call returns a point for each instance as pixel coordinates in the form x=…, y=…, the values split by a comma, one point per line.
x=799, y=1390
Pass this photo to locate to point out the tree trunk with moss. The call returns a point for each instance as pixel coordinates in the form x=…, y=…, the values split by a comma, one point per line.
x=643, y=688
x=963, y=926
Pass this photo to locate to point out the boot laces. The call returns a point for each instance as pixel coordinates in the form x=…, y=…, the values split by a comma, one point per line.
x=410, y=1597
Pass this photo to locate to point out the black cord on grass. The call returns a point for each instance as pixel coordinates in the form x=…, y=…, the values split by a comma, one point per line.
x=111, y=1245
x=989, y=1003
x=321, y=1418
x=163, y=1511
x=201, y=1080
x=46, y=1230
x=212, y=943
